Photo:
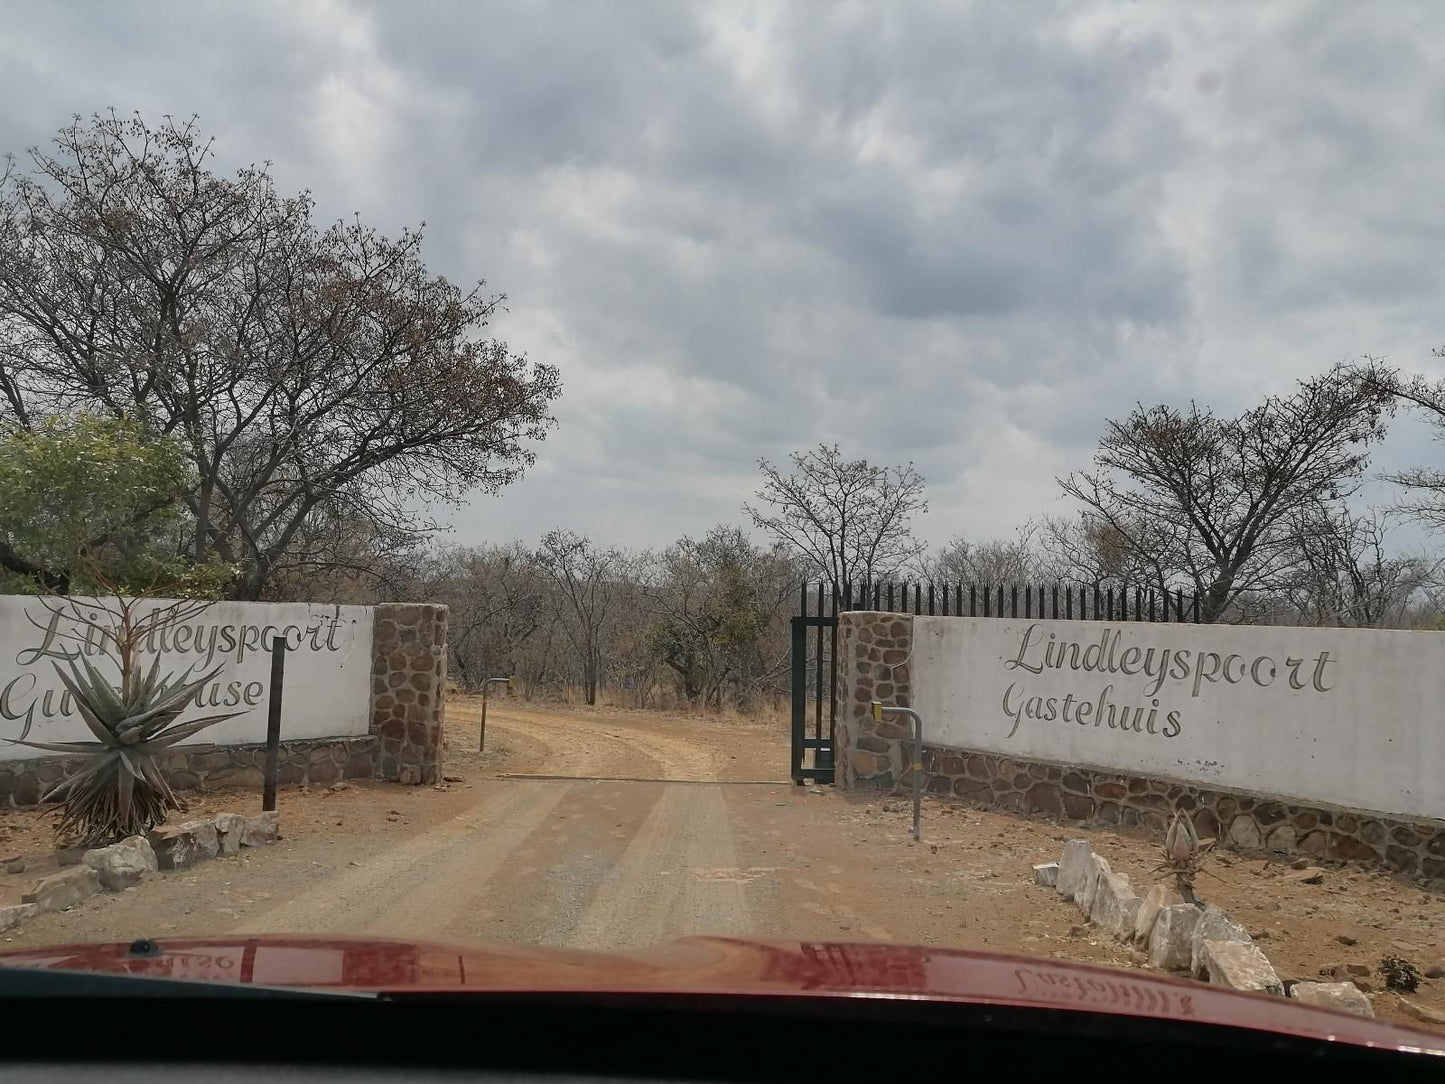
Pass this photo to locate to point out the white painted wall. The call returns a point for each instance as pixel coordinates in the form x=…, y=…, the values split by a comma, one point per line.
x=327, y=684
x=1365, y=727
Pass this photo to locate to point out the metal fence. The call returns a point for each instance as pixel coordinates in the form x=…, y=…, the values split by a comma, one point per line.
x=1098, y=602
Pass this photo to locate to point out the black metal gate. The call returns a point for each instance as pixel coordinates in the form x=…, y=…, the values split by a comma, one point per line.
x=815, y=687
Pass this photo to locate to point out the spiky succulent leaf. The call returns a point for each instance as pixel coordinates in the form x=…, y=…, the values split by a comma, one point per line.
x=125, y=791
x=1181, y=842
x=138, y=721
x=166, y=700
x=59, y=790
x=83, y=704
x=169, y=697
x=157, y=780
x=143, y=689
x=61, y=746
x=105, y=701
x=184, y=730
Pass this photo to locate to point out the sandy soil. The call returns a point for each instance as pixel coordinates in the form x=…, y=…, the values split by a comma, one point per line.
x=614, y=829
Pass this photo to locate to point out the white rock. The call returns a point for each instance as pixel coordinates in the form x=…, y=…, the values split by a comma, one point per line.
x=229, y=829
x=1072, y=864
x=1046, y=874
x=1171, y=940
x=1097, y=869
x=1160, y=895
x=12, y=916
x=63, y=889
x=262, y=828
x=122, y=864
x=179, y=846
x=1214, y=925
x=1115, y=905
x=143, y=847
x=1240, y=965
x=208, y=844
x=1343, y=996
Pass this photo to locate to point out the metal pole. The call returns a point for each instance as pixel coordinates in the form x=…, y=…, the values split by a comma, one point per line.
x=800, y=688
x=482, y=730
x=917, y=771
x=273, y=723
x=486, y=685
x=881, y=709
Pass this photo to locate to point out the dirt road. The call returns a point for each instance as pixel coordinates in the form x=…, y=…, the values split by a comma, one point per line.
x=574, y=828
x=590, y=831
x=609, y=829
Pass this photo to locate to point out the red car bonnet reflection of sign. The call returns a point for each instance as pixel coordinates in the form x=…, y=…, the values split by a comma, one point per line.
x=298, y=966
x=1119, y=994
x=881, y=967
x=262, y=965
x=219, y=963
x=222, y=964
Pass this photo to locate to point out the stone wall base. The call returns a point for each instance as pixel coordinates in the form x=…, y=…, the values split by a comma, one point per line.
x=1415, y=849
x=203, y=767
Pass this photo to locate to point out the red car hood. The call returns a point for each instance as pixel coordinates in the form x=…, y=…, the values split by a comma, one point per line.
x=716, y=965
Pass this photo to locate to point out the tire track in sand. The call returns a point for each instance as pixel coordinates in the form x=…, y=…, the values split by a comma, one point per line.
x=428, y=886
x=418, y=888
x=656, y=891
x=580, y=746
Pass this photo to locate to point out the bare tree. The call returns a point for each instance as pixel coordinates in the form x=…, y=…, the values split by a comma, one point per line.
x=1424, y=486
x=541, y=615
x=848, y=520
x=497, y=598
x=1213, y=501
x=630, y=667
x=585, y=579
x=719, y=615
x=1346, y=575
x=1089, y=551
x=1019, y=560
x=317, y=378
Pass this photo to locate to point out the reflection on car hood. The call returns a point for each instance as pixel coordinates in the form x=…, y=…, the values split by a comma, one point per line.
x=718, y=965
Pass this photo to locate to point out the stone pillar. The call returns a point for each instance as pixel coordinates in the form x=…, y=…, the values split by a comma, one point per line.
x=875, y=652
x=408, y=689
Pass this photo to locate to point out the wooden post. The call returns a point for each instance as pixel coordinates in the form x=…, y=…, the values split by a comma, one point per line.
x=273, y=722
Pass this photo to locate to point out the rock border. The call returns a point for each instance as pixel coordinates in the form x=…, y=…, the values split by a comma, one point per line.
x=1202, y=941
x=125, y=864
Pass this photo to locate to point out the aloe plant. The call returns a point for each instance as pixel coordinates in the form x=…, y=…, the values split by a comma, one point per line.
x=1184, y=851
x=118, y=789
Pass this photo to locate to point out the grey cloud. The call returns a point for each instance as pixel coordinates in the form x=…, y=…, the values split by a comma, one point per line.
x=959, y=233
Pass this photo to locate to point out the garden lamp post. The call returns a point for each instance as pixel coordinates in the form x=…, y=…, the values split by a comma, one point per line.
x=879, y=710
x=482, y=736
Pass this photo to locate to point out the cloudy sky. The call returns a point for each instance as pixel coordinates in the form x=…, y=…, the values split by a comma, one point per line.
x=958, y=234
